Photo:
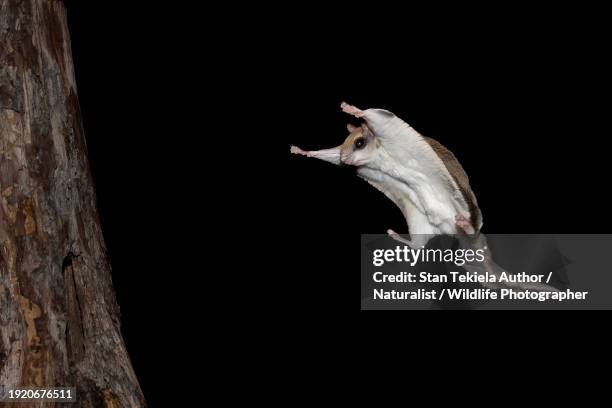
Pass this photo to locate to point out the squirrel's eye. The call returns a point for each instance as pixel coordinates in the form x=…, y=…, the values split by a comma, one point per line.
x=360, y=143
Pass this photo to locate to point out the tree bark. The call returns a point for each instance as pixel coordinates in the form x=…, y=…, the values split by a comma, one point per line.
x=58, y=315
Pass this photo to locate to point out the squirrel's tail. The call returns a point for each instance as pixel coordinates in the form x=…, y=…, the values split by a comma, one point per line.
x=490, y=266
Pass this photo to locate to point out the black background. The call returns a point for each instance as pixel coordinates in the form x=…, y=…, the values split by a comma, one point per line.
x=517, y=95
x=125, y=58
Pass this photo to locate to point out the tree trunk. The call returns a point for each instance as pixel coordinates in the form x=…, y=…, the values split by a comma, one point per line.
x=58, y=315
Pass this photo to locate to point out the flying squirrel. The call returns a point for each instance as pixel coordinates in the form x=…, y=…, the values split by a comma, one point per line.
x=421, y=176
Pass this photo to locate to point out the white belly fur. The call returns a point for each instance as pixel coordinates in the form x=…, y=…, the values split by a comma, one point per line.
x=418, y=172
x=432, y=216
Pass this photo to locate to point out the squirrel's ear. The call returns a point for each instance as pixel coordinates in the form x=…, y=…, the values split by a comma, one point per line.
x=365, y=129
x=350, y=127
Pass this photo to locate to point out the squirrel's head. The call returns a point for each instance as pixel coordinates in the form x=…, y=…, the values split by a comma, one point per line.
x=359, y=148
